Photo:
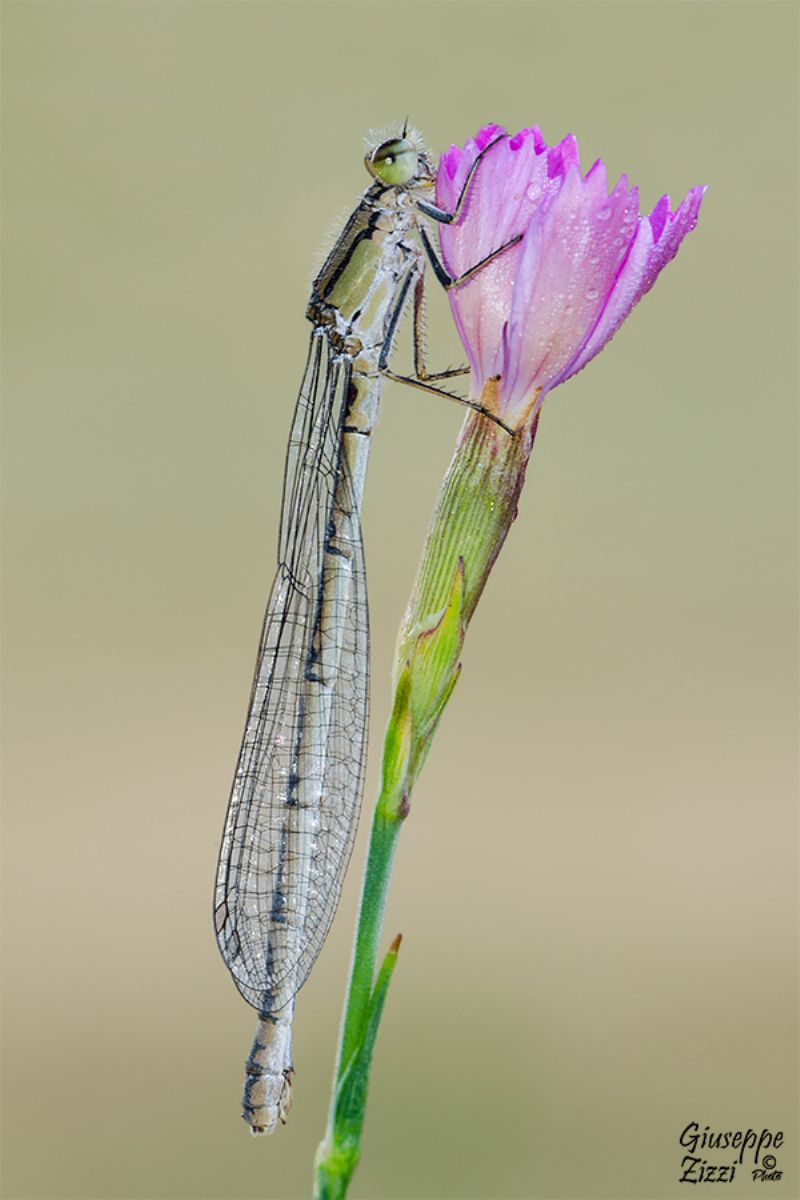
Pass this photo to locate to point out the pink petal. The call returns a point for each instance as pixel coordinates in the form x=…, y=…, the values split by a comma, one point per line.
x=571, y=254
x=656, y=243
x=512, y=181
x=541, y=309
x=455, y=163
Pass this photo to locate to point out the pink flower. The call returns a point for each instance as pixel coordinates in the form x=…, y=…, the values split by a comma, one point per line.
x=538, y=312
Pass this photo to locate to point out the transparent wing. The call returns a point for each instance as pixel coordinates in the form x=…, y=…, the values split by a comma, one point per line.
x=297, y=789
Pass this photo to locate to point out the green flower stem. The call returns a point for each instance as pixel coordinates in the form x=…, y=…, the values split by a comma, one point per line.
x=473, y=514
x=383, y=844
x=338, y=1155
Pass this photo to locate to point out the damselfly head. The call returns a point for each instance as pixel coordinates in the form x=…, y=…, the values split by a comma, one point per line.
x=400, y=161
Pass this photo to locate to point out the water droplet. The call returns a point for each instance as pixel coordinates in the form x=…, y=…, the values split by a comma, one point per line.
x=592, y=294
x=604, y=213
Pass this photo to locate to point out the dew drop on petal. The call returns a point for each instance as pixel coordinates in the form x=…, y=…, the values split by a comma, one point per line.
x=592, y=294
x=604, y=213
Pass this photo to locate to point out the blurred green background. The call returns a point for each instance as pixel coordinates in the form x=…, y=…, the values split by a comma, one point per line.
x=596, y=883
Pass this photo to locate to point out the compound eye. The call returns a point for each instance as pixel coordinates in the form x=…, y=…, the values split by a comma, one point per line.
x=395, y=162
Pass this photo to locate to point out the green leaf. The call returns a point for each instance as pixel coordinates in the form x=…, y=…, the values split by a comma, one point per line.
x=352, y=1093
x=397, y=751
x=340, y=1153
x=433, y=659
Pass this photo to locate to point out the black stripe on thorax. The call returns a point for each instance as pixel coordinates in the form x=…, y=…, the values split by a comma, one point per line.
x=364, y=235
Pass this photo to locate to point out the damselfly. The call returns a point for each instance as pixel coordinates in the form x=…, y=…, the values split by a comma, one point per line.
x=297, y=789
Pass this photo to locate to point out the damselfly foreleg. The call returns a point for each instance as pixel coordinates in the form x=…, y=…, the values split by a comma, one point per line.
x=443, y=217
x=441, y=214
